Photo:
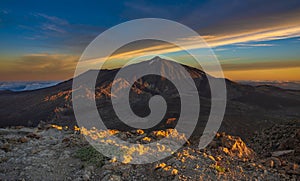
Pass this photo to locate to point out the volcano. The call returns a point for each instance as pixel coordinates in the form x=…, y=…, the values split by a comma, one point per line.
x=248, y=107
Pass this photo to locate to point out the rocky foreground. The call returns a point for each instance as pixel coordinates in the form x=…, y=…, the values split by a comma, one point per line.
x=54, y=153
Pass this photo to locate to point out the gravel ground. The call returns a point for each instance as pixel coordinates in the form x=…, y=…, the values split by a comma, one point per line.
x=51, y=154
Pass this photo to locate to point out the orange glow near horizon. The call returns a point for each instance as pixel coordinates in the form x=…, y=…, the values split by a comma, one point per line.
x=284, y=74
x=279, y=74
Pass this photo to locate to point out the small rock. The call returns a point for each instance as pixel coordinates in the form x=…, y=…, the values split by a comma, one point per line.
x=213, y=144
x=281, y=153
x=86, y=177
x=33, y=135
x=273, y=162
x=104, y=173
x=71, y=165
x=23, y=140
x=211, y=157
x=125, y=174
x=112, y=178
x=6, y=147
x=66, y=140
x=19, y=127
x=295, y=166
x=34, y=151
x=270, y=163
x=294, y=172
x=65, y=155
x=90, y=168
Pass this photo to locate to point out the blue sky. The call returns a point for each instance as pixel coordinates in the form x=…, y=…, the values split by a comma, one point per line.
x=43, y=39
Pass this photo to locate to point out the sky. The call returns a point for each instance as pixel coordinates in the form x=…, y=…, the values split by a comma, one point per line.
x=253, y=40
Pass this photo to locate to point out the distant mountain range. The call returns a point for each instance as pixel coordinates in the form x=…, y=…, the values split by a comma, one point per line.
x=248, y=108
x=294, y=85
x=18, y=86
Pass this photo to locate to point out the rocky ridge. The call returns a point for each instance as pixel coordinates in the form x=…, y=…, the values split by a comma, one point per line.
x=50, y=152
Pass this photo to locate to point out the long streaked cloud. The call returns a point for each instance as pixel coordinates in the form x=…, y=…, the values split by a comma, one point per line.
x=258, y=35
x=255, y=38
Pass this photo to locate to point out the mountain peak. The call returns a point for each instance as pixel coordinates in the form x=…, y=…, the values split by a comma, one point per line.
x=156, y=58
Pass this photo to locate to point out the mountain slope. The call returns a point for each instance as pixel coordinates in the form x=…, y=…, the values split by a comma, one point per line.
x=247, y=105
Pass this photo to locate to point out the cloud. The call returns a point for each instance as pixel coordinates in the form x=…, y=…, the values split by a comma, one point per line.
x=58, y=34
x=255, y=45
x=247, y=39
x=53, y=19
x=221, y=49
x=3, y=11
x=258, y=35
x=52, y=27
x=217, y=17
x=45, y=27
x=251, y=36
x=244, y=39
x=52, y=23
x=226, y=23
x=41, y=66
